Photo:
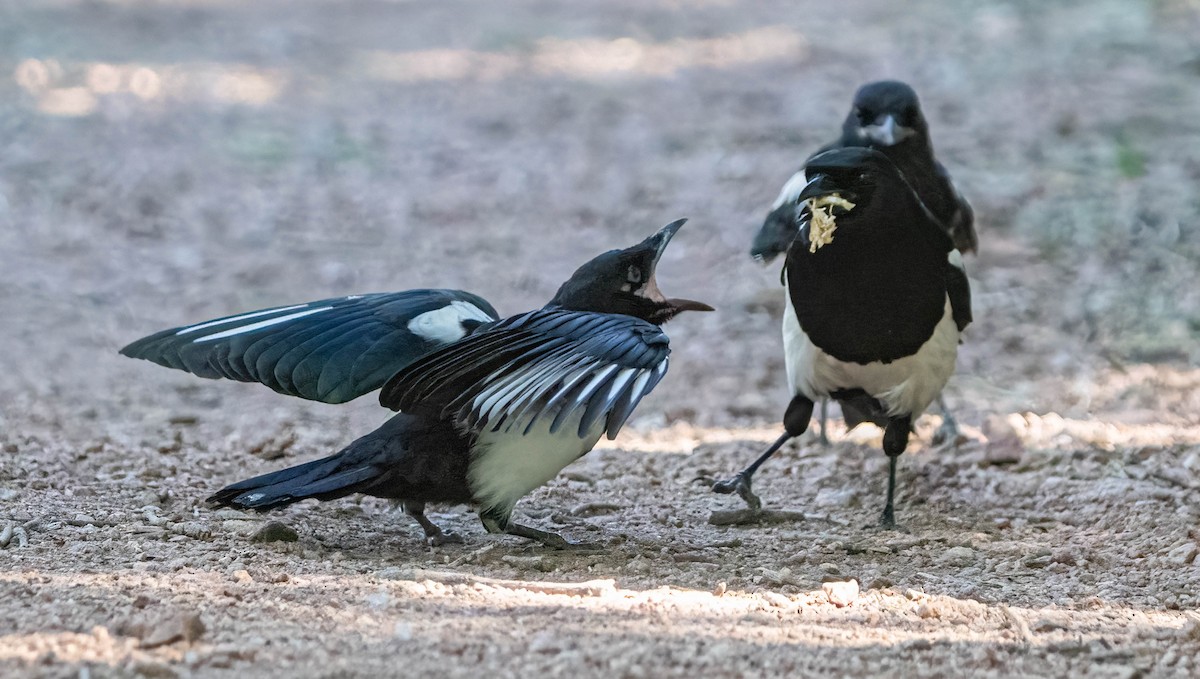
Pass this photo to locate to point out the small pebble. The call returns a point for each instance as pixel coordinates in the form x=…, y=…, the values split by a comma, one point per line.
x=958, y=556
x=1183, y=554
x=275, y=531
x=184, y=627
x=841, y=593
x=390, y=573
x=1004, y=445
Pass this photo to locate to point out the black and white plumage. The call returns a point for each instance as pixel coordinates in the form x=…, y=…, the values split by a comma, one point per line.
x=873, y=318
x=491, y=409
x=533, y=393
x=332, y=350
x=886, y=115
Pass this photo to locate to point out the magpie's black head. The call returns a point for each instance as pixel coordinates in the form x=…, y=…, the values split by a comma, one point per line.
x=863, y=176
x=885, y=113
x=622, y=282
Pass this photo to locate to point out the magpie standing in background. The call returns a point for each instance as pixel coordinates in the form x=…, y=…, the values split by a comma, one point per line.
x=873, y=316
x=886, y=116
x=490, y=409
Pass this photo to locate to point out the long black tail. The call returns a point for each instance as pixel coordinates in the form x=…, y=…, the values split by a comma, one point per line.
x=325, y=479
x=408, y=457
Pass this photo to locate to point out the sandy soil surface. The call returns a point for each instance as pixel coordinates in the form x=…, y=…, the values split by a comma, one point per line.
x=163, y=163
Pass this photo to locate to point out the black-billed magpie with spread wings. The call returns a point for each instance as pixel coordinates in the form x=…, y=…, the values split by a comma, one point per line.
x=490, y=409
x=875, y=305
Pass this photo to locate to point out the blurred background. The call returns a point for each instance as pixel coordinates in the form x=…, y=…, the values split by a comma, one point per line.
x=167, y=162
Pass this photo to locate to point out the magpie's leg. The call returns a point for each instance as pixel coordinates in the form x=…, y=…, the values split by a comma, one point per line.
x=895, y=440
x=949, y=429
x=740, y=483
x=795, y=422
x=824, y=439
x=433, y=533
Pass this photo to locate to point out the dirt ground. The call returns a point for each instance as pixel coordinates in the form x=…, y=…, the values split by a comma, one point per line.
x=167, y=162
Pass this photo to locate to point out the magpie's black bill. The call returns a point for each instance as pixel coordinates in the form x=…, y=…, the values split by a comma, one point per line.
x=824, y=185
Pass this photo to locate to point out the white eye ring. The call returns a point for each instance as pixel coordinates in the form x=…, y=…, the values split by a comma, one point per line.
x=634, y=275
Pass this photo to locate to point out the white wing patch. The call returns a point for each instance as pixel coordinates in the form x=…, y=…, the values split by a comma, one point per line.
x=235, y=319
x=259, y=325
x=956, y=260
x=444, y=325
x=791, y=190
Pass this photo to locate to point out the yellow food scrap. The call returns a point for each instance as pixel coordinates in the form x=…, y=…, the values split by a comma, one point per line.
x=822, y=223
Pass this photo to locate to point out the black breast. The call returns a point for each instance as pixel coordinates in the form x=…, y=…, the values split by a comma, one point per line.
x=867, y=297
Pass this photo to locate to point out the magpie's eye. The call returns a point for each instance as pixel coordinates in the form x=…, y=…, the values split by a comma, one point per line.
x=863, y=178
x=863, y=114
x=634, y=275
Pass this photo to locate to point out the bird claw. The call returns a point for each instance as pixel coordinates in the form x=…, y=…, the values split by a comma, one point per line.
x=887, y=521
x=552, y=540
x=739, y=484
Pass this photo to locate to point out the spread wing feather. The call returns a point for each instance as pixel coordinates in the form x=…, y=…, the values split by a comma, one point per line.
x=549, y=363
x=331, y=350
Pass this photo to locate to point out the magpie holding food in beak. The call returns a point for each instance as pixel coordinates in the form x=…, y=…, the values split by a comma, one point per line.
x=490, y=409
x=886, y=115
x=876, y=301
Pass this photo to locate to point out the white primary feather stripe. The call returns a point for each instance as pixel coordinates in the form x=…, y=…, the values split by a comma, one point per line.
x=639, y=386
x=489, y=401
x=586, y=394
x=565, y=369
x=504, y=387
x=508, y=391
x=619, y=382
x=260, y=325
x=235, y=319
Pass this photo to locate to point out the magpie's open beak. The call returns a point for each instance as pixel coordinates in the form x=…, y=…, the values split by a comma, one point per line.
x=822, y=185
x=659, y=242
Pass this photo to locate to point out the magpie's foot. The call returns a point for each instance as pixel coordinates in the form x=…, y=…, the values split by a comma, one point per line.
x=823, y=439
x=552, y=540
x=739, y=484
x=887, y=522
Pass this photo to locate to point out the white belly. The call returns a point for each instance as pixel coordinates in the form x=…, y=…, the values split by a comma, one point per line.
x=906, y=386
x=505, y=465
